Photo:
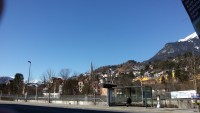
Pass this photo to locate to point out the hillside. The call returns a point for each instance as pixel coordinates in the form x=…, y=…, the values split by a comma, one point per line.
x=124, y=67
x=173, y=53
x=189, y=44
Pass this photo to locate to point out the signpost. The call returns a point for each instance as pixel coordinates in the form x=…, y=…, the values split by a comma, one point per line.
x=193, y=9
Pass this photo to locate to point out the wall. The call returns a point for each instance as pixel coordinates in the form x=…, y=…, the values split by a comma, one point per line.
x=177, y=103
x=70, y=102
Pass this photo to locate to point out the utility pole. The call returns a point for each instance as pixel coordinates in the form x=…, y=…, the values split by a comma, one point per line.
x=195, y=79
x=194, y=75
x=194, y=69
x=49, y=96
x=141, y=85
x=26, y=95
x=94, y=95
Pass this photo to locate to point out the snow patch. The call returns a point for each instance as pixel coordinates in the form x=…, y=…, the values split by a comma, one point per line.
x=196, y=47
x=164, y=51
x=190, y=37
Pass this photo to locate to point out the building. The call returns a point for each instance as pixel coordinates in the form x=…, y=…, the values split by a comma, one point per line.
x=80, y=86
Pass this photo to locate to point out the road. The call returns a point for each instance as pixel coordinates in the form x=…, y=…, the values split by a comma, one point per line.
x=35, y=107
x=15, y=108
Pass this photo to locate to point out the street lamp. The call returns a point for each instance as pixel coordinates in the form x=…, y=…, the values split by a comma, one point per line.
x=29, y=70
x=193, y=65
x=28, y=81
x=141, y=85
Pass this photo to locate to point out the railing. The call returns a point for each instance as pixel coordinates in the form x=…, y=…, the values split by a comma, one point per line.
x=77, y=98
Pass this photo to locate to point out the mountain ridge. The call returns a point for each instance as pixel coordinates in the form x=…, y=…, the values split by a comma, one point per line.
x=189, y=44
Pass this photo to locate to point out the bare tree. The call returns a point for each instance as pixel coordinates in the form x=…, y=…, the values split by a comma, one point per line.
x=47, y=77
x=47, y=80
x=64, y=73
x=43, y=79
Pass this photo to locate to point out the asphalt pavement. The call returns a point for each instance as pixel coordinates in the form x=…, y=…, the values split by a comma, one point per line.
x=27, y=107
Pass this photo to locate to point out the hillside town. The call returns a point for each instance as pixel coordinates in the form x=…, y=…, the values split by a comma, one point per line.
x=165, y=75
x=162, y=77
x=119, y=36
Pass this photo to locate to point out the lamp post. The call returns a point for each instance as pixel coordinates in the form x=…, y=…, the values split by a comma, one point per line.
x=26, y=97
x=142, y=92
x=29, y=70
x=141, y=86
x=194, y=72
x=193, y=65
x=194, y=76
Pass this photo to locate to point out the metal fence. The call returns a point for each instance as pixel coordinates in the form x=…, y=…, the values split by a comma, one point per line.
x=63, y=98
x=165, y=100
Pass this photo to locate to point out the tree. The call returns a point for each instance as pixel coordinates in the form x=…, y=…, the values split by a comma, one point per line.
x=87, y=89
x=125, y=79
x=146, y=67
x=47, y=80
x=18, y=83
x=64, y=73
x=169, y=81
x=71, y=86
x=47, y=77
x=182, y=75
x=163, y=81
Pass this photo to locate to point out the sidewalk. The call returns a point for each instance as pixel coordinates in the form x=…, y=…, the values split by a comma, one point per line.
x=137, y=109
x=106, y=108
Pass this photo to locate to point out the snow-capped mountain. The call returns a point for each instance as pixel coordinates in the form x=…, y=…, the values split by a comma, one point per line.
x=189, y=38
x=5, y=79
x=190, y=43
x=33, y=82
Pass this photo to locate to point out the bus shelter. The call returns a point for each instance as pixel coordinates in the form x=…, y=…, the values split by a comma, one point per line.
x=139, y=95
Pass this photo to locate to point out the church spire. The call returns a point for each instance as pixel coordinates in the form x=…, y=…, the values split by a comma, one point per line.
x=91, y=72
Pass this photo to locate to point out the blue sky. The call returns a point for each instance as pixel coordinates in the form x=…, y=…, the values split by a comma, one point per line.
x=56, y=34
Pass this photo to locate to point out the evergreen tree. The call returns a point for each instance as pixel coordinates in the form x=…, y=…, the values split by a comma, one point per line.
x=18, y=83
